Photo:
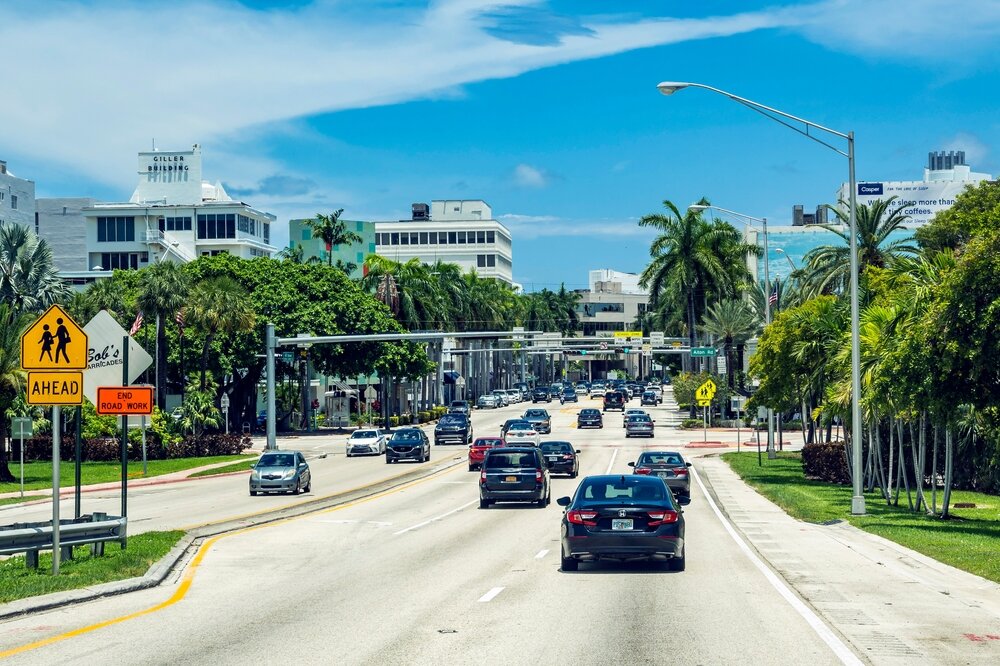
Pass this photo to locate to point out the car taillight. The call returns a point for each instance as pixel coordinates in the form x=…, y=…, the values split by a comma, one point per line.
x=642, y=470
x=538, y=475
x=680, y=471
x=661, y=517
x=568, y=456
x=482, y=477
x=578, y=517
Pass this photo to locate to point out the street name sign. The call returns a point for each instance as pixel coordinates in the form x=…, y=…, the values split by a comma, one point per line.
x=706, y=391
x=703, y=351
x=119, y=400
x=54, y=342
x=21, y=426
x=61, y=387
x=105, y=355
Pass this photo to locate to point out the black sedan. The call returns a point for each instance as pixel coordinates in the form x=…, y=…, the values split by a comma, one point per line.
x=408, y=444
x=590, y=418
x=669, y=466
x=624, y=518
x=568, y=395
x=541, y=395
x=561, y=457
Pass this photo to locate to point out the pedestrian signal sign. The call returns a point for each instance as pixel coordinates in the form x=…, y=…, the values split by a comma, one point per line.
x=54, y=342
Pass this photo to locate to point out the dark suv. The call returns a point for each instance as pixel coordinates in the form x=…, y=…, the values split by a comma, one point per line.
x=514, y=474
x=408, y=444
x=453, y=429
x=614, y=400
x=541, y=395
x=460, y=407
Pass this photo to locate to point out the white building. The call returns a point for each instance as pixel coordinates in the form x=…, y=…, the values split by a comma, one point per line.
x=461, y=232
x=613, y=303
x=17, y=199
x=173, y=215
x=945, y=176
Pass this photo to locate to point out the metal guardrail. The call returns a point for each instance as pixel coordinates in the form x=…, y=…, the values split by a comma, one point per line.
x=31, y=538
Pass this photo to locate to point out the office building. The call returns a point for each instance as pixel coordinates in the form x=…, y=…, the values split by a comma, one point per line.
x=301, y=235
x=614, y=302
x=17, y=199
x=462, y=232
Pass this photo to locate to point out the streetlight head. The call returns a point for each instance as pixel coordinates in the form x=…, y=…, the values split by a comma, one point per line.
x=779, y=251
x=697, y=207
x=670, y=87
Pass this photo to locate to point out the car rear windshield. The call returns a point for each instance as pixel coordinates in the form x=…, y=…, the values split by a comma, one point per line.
x=452, y=419
x=535, y=414
x=660, y=459
x=589, y=412
x=460, y=403
x=613, y=396
x=638, y=418
x=501, y=460
x=488, y=442
x=406, y=436
x=277, y=460
x=556, y=447
x=625, y=489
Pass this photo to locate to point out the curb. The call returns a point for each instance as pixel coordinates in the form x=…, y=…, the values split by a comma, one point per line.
x=162, y=568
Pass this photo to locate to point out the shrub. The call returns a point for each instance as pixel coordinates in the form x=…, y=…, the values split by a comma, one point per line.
x=792, y=426
x=827, y=462
x=215, y=444
x=393, y=421
x=690, y=424
x=424, y=416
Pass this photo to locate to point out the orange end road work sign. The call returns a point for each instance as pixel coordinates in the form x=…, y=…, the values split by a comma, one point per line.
x=124, y=400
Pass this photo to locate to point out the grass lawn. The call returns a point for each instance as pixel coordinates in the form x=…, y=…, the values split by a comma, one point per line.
x=142, y=551
x=38, y=475
x=242, y=466
x=969, y=541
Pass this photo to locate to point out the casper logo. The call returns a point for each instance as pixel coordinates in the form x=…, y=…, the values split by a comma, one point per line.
x=870, y=189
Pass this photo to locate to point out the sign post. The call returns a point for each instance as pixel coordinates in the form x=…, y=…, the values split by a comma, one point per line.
x=225, y=410
x=21, y=426
x=704, y=395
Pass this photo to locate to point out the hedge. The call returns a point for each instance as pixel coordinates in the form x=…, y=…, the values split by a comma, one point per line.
x=104, y=449
x=827, y=462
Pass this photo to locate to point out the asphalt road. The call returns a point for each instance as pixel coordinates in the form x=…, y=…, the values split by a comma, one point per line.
x=421, y=575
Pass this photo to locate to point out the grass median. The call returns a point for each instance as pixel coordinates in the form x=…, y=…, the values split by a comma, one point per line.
x=242, y=466
x=38, y=475
x=142, y=551
x=970, y=540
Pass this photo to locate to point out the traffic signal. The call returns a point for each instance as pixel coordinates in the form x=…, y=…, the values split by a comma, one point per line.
x=626, y=350
x=583, y=352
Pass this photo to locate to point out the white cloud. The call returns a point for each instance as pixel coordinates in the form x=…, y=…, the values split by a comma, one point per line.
x=526, y=175
x=544, y=226
x=976, y=152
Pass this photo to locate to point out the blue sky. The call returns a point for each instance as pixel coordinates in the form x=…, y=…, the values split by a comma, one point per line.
x=548, y=110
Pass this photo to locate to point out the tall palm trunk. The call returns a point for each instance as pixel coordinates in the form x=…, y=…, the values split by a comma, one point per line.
x=161, y=363
x=204, y=358
x=692, y=341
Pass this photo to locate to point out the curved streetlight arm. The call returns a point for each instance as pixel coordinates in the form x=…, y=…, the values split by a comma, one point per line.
x=670, y=87
x=700, y=207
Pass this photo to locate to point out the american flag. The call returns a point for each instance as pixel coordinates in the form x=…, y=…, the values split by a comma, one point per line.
x=773, y=298
x=179, y=318
x=136, y=325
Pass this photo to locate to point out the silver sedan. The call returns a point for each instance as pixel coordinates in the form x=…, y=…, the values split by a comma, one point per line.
x=366, y=441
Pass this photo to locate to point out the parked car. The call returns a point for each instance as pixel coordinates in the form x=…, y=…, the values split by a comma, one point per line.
x=540, y=419
x=669, y=466
x=541, y=395
x=408, y=444
x=590, y=418
x=502, y=398
x=460, y=407
x=567, y=395
x=631, y=411
x=453, y=428
x=487, y=401
x=509, y=423
x=614, y=400
x=478, y=449
x=366, y=441
x=561, y=458
x=514, y=474
x=514, y=395
x=639, y=425
x=522, y=434
x=622, y=518
x=280, y=472
x=651, y=398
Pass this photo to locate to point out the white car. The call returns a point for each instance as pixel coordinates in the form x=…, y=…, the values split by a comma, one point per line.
x=522, y=434
x=487, y=401
x=366, y=441
x=502, y=398
x=514, y=395
x=597, y=391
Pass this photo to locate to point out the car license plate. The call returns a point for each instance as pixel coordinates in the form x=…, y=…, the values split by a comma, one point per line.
x=663, y=475
x=621, y=524
x=510, y=479
x=553, y=458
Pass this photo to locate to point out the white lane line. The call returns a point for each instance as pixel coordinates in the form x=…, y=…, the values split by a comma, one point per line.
x=614, y=454
x=490, y=595
x=434, y=519
x=542, y=553
x=843, y=652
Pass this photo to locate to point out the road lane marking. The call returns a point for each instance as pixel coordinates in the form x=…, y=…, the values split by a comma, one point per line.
x=614, y=454
x=542, y=553
x=838, y=647
x=434, y=519
x=188, y=578
x=490, y=595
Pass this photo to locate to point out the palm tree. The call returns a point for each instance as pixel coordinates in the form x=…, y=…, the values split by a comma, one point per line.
x=219, y=305
x=333, y=231
x=12, y=378
x=827, y=267
x=28, y=280
x=734, y=322
x=163, y=291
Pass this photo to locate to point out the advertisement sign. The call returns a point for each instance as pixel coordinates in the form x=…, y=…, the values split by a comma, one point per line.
x=105, y=355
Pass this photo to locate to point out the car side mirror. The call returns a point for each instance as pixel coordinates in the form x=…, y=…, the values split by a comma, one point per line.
x=631, y=464
x=684, y=500
x=687, y=464
x=578, y=450
x=563, y=501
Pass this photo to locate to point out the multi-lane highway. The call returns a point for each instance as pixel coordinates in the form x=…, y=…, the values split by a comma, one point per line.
x=419, y=574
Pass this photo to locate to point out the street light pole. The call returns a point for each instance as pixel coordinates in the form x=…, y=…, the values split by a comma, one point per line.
x=669, y=88
x=788, y=259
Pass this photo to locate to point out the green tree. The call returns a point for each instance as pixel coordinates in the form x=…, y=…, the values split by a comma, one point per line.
x=976, y=210
x=163, y=291
x=219, y=305
x=333, y=231
x=198, y=412
x=12, y=378
x=734, y=322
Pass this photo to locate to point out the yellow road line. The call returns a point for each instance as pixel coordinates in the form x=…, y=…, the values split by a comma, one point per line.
x=188, y=579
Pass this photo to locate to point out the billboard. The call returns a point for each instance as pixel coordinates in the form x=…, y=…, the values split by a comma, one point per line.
x=920, y=200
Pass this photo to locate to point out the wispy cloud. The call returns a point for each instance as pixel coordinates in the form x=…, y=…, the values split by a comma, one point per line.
x=543, y=226
x=976, y=152
x=526, y=175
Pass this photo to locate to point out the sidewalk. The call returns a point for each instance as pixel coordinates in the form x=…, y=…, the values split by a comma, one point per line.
x=894, y=605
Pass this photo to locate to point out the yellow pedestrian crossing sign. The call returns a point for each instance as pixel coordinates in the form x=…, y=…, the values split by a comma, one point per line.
x=705, y=392
x=54, y=342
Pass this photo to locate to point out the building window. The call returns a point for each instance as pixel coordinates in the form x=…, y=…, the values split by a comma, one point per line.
x=242, y=223
x=461, y=237
x=443, y=238
x=394, y=239
x=404, y=239
x=119, y=260
x=491, y=260
x=267, y=232
x=213, y=225
x=452, y=238
x=480, y=236
x=481, y=260
x=115, y=229
x=360, y=227
x=175, y=224
x=423, y=238
x=491, y=237
x=432, y=237
x=371, y=248
x=13, y=202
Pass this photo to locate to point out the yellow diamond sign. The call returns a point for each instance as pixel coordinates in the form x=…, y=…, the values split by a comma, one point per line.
x=706, y=391
x=54, y=342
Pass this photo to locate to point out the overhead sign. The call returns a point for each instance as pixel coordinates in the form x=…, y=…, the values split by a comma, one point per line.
x=703, y=351
x=63, y=387
x=54, y=342
x=628, y=334
x=120, y=400
x=656, y=338
x=105, y=355
x=706, y=391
